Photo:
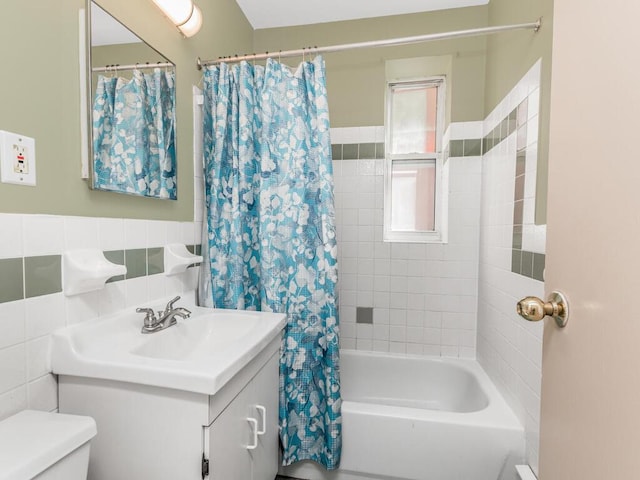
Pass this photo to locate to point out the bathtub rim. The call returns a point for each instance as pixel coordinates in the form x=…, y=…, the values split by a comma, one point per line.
x=498, y=413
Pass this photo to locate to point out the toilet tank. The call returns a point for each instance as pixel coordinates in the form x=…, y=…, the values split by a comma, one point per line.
x=45, y=446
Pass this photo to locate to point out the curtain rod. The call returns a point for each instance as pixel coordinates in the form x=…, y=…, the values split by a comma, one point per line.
x=138, y=66
x=535, y=26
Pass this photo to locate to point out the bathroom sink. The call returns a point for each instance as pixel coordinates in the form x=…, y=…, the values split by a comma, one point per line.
x=198, y=336
x=198, y=354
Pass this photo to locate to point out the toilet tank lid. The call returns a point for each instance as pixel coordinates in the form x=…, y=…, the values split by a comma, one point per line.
x=32, y=441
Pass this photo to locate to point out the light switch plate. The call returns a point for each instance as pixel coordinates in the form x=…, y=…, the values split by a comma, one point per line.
x=17, y=159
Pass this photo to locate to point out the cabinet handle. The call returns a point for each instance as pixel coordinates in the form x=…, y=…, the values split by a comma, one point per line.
x=263, y=413
x=253, y=422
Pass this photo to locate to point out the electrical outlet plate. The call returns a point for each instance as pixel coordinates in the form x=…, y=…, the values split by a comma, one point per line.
x=17, y=159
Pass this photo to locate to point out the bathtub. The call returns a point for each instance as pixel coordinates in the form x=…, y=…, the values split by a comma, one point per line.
x=420, y=418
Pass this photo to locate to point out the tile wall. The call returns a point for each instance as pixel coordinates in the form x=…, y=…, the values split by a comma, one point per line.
x=32, y=304
x=412, y=298
x=509, y=348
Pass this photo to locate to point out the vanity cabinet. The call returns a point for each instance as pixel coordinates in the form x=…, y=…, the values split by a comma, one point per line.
x=167, y=434
x=243, y=439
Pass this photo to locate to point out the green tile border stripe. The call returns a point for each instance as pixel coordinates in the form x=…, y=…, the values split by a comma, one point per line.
x=523, y=262
x=28, y=277
x=357, y=151
x=11, y=279
x=528, y=264
x=468, y=147
x=42, y=275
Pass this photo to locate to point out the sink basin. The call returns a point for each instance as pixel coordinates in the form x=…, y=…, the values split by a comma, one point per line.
x=199, y=335
x=198, y=354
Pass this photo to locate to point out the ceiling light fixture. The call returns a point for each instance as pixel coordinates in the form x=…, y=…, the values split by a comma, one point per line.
x=183, y=13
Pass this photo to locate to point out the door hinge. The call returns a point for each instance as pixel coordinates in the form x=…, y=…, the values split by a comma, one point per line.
x=205, y=467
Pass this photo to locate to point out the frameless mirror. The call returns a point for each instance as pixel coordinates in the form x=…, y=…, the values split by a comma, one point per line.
x=131, y=102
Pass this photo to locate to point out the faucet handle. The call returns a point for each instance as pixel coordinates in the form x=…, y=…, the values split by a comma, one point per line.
x=150, y=317
x=169, y=306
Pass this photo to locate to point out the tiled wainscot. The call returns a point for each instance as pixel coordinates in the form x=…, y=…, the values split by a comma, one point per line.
x=32, y=304
x=409, y=298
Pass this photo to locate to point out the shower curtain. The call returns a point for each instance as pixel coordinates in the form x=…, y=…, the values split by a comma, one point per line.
x=269, y=242
x=134, y=134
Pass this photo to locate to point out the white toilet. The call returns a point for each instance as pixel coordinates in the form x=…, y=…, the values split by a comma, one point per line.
x=45, y=446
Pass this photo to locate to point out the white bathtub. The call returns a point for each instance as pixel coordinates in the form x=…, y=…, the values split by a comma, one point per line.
x=420, y=418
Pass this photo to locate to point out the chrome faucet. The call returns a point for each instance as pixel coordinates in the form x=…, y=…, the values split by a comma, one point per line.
x=164, y=318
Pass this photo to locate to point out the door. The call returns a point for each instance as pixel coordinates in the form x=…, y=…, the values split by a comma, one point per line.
x=590, y=413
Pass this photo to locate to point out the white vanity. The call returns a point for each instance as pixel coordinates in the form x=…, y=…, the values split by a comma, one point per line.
x=196, y=400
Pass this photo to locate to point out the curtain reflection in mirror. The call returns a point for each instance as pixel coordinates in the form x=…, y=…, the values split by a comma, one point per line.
x=134, y=134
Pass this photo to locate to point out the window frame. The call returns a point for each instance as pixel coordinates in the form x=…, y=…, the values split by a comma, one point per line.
x=439, y=234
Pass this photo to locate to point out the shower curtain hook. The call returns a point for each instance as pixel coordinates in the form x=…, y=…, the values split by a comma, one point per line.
x=303, y=55
x=279, y=56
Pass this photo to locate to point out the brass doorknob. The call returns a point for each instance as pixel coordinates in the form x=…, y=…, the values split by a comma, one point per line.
x=533, y=309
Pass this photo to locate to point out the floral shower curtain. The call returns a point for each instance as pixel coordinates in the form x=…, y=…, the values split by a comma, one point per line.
x=269, y=240
x=134, y=134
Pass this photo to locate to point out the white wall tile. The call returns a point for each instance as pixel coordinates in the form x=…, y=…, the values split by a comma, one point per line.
x=12, y=323
x=43, y=235
x=465, y=130
x=156, y=233
x=13, y=367
x=348, y=330
x=506, y=348
x=415, y=349
x=43, y=393
x=156, y=287
x=380, y=346
x=366, y=167
x=432, y=350
x=348, y=343
x=111, y=234
x=38, y=363
x=81, y=233
x=364, y=344
x=11, y=244
x=135, y=233
x=364, y=331
x=13, y=402
x=83, y=307
x=450, y=351
x=44, y=314
x=188, y=233
x=398, y=347
x=112, y=298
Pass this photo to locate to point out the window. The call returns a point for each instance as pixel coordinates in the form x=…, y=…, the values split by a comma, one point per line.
x=414, y=174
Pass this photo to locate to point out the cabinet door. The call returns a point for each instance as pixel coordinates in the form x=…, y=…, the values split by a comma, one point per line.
x=265, y=394
x=229, y=436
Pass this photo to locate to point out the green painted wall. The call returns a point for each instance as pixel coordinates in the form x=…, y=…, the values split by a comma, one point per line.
x=509, y=56
x=39, y=94
x=124, y=54
x=356, y=79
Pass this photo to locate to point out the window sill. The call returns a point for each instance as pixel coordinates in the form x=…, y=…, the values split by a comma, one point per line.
x=415, y=237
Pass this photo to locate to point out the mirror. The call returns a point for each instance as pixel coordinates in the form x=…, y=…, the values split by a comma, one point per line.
x=132, y=144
